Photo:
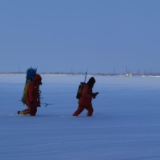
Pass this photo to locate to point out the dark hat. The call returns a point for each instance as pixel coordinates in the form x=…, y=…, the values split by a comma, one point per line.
x=92, y=80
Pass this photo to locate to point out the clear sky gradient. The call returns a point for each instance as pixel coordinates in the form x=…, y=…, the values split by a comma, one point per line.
x=76, y=35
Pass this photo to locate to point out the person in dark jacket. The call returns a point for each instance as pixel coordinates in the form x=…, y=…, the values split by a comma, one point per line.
x=85, y=101
x=33, y=96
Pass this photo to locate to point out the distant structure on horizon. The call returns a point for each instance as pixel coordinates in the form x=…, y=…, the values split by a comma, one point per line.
x=128, y=74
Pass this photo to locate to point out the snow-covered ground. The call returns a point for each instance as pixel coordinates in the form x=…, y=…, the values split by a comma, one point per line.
x=125, y=124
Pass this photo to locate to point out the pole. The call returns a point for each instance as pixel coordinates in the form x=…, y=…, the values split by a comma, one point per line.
x=85, y=77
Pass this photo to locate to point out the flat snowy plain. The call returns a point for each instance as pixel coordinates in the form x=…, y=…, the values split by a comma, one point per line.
x=125, y=124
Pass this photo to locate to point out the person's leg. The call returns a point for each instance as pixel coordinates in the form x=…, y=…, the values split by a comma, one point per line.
x=78, y=111
x=33, y=111
x=25, y=111
x=90, y=111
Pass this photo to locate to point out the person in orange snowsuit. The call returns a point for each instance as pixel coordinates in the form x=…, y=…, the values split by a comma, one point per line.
x=33, y=96
x=85, y=101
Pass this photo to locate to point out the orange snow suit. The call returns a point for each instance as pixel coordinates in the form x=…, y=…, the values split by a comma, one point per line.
x=33, y=95
x=85, y=101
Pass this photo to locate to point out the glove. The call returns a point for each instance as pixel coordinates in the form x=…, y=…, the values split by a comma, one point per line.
x=95, y=94
x=31, y=102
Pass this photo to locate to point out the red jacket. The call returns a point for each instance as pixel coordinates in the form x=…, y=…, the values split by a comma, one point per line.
x=33, y=94
x=86, y=97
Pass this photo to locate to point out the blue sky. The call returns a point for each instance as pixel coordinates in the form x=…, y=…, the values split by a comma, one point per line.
x=65, y=35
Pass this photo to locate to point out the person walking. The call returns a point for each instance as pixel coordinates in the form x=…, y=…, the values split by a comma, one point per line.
x=85, y=101
x=33, y=96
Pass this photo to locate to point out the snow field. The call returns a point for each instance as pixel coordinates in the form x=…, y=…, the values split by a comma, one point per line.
x=125, y=124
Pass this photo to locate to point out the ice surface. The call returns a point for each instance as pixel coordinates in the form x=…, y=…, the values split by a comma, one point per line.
x=125, y=124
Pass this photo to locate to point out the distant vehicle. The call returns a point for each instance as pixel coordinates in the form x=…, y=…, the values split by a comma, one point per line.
x=128, y=74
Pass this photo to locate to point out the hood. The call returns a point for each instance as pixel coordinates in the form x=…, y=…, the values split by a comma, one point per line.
x=36, y=77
